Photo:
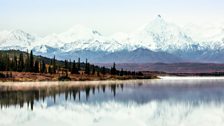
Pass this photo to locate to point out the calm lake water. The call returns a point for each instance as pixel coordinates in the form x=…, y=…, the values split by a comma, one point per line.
x=165, y=102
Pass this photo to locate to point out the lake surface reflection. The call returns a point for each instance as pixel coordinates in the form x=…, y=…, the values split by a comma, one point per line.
x=140, y=92
x=165, y=102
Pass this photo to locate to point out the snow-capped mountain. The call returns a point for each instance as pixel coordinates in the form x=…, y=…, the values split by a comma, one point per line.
x=80, y=38
x=16, y=39
x=162, y=36
x=159, y=35
x=210, y=36
x=163, y=40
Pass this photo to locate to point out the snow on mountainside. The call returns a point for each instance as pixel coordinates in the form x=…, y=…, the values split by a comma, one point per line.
x=211, y=36
x=16, y=39
x=209, y=32
x=80, y=38
x=162, y=39
x=159, y=35
x=162, y=36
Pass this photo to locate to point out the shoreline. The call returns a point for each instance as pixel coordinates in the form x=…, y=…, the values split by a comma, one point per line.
x=55, y=85
x=172, y=77
x=40, y=77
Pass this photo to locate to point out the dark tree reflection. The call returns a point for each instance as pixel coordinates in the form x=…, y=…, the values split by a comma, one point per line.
x=66, y=95
x=79, y=96
x=103, y=88
x=29, y=97
x=113, y=89
x=54, y=98
x=93, y=89
x=87, y=89
x=31, y=104
x=74, y=94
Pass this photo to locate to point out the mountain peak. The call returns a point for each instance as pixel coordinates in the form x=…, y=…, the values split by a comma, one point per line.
x=96, y=32
x=159, y=19
x=158, y=24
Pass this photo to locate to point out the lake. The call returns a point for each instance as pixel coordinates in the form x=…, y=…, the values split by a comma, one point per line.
x=170, y=101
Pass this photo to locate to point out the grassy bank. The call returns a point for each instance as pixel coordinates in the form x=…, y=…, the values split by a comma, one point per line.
x=29, y=77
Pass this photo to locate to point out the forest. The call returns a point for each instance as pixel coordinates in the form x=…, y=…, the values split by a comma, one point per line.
x=12, y=61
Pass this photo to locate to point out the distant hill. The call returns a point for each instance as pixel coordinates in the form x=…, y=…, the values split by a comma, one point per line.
x=136, y=56
x=172, y=67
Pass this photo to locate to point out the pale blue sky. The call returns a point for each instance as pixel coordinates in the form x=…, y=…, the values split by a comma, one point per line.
x=108, y=16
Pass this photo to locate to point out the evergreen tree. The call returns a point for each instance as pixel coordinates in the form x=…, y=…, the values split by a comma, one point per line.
x=113, y=70
x=87, y=69
x=27, y=69
x=7, y=62
x=122, y=72
x=2, y=64
x=78, y=65
x=36, y=67
x=94, y=70
x=31, y=61
x=70, y=65
x=74, y=68
x=54, y=65
x=43, y=67
x=21, y=63
x=15, y=65
x=103, y=71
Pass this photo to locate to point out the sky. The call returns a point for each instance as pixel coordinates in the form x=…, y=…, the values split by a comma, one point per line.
x=108, y=16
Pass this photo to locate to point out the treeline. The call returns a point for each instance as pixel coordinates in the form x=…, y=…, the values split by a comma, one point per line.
x=27, y=62
x=22, y=63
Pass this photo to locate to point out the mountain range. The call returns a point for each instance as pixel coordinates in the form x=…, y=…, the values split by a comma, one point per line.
x=158, y=41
